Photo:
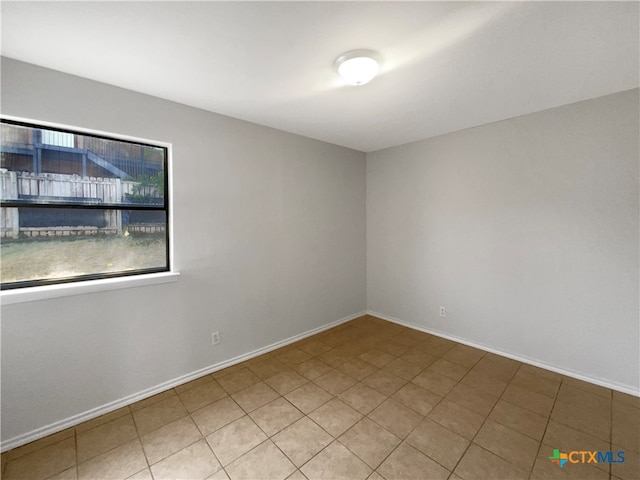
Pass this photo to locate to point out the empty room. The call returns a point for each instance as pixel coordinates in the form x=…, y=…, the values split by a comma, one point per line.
x=320, y=240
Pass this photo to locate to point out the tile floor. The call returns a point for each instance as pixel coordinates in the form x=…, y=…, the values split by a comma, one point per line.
x=368, y=399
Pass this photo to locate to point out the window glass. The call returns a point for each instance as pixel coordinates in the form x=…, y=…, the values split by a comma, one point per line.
x=76, y=206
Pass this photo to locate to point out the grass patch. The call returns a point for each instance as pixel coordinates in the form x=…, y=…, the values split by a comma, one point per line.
x=51, y=258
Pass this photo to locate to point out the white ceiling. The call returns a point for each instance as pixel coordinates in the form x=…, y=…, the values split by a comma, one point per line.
x=447, y=65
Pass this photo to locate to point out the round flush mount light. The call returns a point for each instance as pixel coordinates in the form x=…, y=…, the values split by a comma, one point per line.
x=358, y=67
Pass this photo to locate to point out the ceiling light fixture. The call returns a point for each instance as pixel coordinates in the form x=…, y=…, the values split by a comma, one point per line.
x=358, y=67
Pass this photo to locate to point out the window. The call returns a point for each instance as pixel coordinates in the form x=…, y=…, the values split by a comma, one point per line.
x=79, y=206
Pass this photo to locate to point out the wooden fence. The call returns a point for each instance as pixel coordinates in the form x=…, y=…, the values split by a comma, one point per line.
x=24, y=185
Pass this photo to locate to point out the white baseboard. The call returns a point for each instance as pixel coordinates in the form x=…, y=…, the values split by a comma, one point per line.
x=41, y=432
x=536, y=363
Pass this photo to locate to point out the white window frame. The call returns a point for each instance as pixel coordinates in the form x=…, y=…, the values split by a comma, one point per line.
x=43, y=292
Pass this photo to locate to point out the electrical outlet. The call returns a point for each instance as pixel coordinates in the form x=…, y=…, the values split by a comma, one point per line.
x=443, y=312
x=215, y=338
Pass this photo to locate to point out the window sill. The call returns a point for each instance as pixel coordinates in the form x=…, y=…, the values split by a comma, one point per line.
x=92, y=286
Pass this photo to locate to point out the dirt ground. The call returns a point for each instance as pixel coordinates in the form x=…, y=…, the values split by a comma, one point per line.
x=59, y=258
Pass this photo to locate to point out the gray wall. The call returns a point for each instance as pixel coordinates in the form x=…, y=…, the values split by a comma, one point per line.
x=269, y=239
x=525, y=229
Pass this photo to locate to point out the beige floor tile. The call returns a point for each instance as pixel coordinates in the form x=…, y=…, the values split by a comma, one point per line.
x=385, y=382
x=275, y=415
x=336, y=357
x=255, y=396
x=102, y=438
x=583, y=399
x=417, y=398
x=497, y=367
x=293, y=356
x=419, y=357
x=357, y=368
x=336, y=462
x=297, y=475
x=102, y=419
x=567, y=439
x=335, y=417
x=369, y=441
x=362, y=397
x=312, y=368
x=435, y=347
x=268, y=367
x=536, y=383
x=629, y=469
x=482, y=383
x=69, y=474
x=625, y=412
x=464, y=355
x=151, y=400
x=226, y=371
x=392, y=347
x=519, y=419
x=302, y=440
x=202, y=395
x=408, y=463
x=219, y=475
x=407, y=338
x=44, y=462
x=238, y=380
x=236, y=439
x=588, y=419
x=308, y=397
x=626, y=426
x=193, y=384
x=169, y=439
x=265, y=461
x=482, y=464
x=158, y=414
x=119, y=463
x=315, y=347
x=625, y=398
x=217, y=415
x=196, y=462
x=508, y=444
x=403, y=376
x=545, y=469
x=402, y=369
x=502, y=361
x=39, y=444
x=434, y=382
x=469, y=397
x=587, y=387
x=285, y=382
x=334, y=382
x=556, y=377
x=459, y=419
x=448, y=369
x=334, y=339
x=396, y=418
x=536, y=402
x=376, y=357
x=438, y=443
x=141, y=475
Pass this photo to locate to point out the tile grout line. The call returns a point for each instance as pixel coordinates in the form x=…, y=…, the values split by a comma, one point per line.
x=611, y=436
x=442, y=397
x=555, y=399
x=484, y=421
x=404, y=440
